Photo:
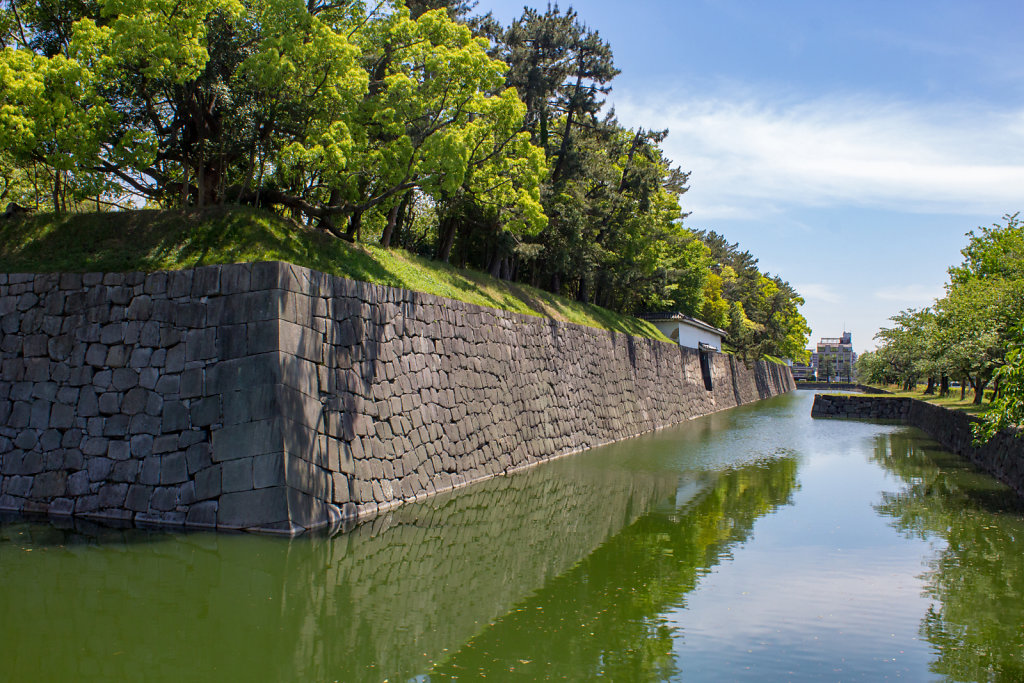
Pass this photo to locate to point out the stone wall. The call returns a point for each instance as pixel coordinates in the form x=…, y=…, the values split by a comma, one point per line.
x=274, y=397
x=1002, y=457
x=841, y=386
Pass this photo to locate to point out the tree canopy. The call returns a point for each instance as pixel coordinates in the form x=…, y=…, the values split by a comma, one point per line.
x=413, y=124
x=972, y=334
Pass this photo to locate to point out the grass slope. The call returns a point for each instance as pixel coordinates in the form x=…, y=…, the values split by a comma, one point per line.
x=172, y=240
x=952, y=401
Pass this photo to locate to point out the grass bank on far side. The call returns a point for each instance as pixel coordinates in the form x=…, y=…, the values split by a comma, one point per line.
x=173, y=240
x=952, y=401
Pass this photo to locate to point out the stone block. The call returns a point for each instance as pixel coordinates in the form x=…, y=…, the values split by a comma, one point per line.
x=95, y=445
x=235, y=278
x=141, y=445
x=201, y=344
x=117, y=356
x=164, y=498
x=175, y=417
x=198, y=456
x=237, y=475
x=173, y=469
x=168, y=443
x=49, y=485
x=110, y=403
x=125, y=378
x=266, y=275
x=145, y=424
x=231, y=342
x=62, y=416
x=49, y=441
x=140, y=357
x=205, y=412
x=61, y=507
x=175, y=361
x=300, y=341
x=138, y=497
x=208, y=483
x=119, y=450
x=259, y=507
x=125, y=471
x=135, y=401
x=140, y=308
x=206, y=281
x=168, y=385
x=112, y=495
x=244, y=373
x=116, y=425
x=246, y=440
x=149, y=473
x=202, y=515
x=305, y=510
x=191, y=384
x=268, y=470
x=26, y=439
x=192, y=437
x=39, y=416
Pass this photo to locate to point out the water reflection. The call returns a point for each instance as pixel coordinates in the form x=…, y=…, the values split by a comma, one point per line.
x=380, y=603
x=752, y=545
x=976, y=581
x=608, y=611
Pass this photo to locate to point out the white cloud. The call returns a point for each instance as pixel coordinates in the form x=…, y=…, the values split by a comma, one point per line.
x=748, y=153
x=910, y=295
x=818, y=292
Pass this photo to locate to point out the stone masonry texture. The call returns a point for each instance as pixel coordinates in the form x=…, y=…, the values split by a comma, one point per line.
x=1002, y=457
x=269, y=396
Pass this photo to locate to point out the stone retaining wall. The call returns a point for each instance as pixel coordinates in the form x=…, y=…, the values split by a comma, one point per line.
x=841, y=386
x=1002, y=457
x=274, y=397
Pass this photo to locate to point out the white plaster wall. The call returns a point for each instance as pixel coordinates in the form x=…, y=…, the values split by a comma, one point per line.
x=691, y=337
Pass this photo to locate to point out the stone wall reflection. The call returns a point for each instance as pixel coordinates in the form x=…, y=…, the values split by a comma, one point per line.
x=384, y=601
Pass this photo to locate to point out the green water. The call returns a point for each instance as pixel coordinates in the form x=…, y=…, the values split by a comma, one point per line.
x=756, y=544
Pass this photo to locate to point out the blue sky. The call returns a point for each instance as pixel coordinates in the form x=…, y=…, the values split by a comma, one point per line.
x=848, y=145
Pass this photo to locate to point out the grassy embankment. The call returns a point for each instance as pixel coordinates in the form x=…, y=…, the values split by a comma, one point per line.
x=952, y=401
x=172, y=240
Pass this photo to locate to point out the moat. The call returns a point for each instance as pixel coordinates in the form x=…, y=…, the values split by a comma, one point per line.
x=753, y=544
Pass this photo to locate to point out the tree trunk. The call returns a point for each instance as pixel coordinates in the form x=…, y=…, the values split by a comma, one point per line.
x=930, y=389
x=963, y=389
x=389, y=229
x=979, y=389
x=446, y=239
x=563, y=148
x=404, y=208
x=944, y=386
x=56, y=191
x=355, y=227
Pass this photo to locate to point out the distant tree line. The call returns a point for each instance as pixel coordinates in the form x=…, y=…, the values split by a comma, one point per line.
x=414, y=125
x=972, y=335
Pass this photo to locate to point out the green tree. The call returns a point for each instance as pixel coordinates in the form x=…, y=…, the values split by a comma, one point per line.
x=1007, y=409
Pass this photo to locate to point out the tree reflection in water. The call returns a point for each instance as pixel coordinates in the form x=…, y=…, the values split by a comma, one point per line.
x=608, y=611
x=976, y=622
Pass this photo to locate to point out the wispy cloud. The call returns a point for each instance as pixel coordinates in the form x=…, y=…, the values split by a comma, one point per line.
x=813, y=291
x=747, y=152
x=910, y=295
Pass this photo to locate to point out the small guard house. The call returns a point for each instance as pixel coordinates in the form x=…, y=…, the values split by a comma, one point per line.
x=687, y=331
